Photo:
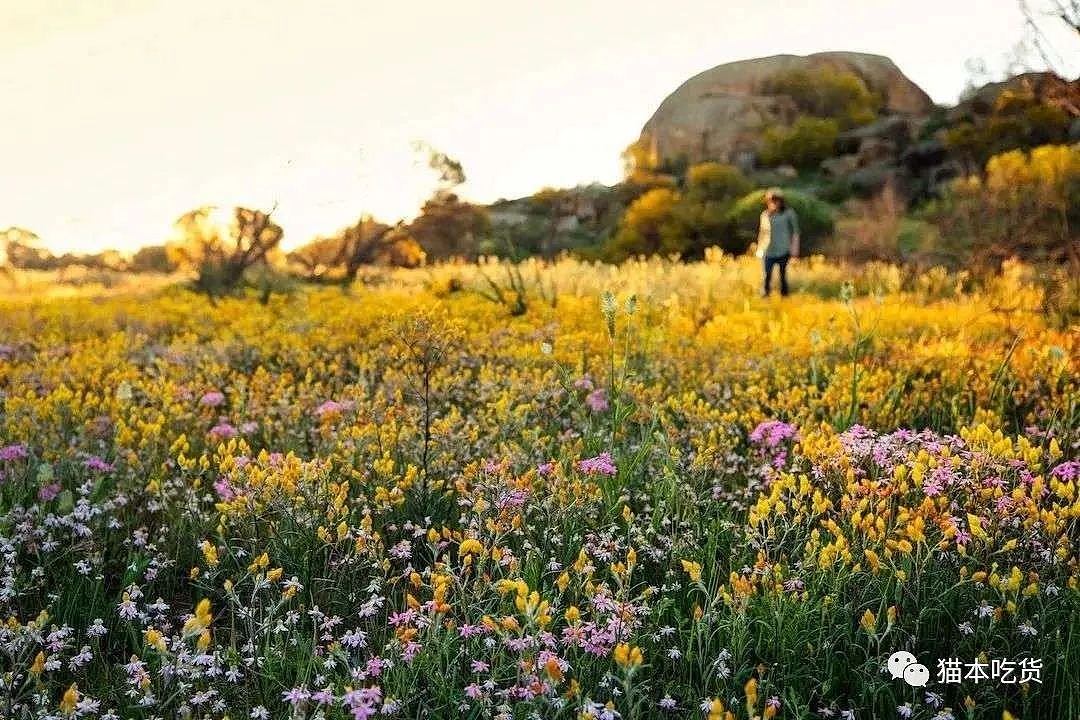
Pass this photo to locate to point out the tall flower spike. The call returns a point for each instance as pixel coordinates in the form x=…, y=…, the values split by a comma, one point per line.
x=608, y=308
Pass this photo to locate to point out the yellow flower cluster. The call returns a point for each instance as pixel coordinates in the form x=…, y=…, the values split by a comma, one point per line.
x=406, y=466
x=973, y=504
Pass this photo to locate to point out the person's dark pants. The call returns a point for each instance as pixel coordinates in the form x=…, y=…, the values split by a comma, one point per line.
x=780, y=262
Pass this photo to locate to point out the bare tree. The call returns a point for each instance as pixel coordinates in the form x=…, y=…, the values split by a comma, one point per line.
x=222, y=251
x=1065, y=11
x=21, y=248
x=448, y=226
x=367, y=242
x=450, y=172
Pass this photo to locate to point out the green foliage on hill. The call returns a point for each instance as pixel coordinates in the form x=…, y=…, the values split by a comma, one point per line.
x=683, y=220
x=715, y=182
x=650, y=226
x=1018, y=120
x=825, y=92
x=803, y=145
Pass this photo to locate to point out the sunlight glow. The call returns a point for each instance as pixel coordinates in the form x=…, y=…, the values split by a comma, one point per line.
x=123, y=114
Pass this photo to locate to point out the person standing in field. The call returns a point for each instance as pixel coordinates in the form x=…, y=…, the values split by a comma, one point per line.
x=778, y=238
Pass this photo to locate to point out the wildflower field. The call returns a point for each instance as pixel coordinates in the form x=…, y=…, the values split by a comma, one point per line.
x=644, y=493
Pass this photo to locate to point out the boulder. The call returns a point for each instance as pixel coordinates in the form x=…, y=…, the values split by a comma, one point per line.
x=508, y=217
x=721, y=113
x=923, y=155
x=896, y=128
x=875, y=149
x=877, y=141
x=840, y=166
x=940, y=176
x=568, y=223
x=869, y=180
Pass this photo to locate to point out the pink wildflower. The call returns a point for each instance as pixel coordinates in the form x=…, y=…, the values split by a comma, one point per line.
x=49, y=492
x=212, y=399
x=13, y=452
x=772, y=432
x=602, y=464
x=222, y=431
x=1068, y=470
x=329, y=410
x=296, y=695
x=597, y=400
x=97, y=464
x=224, y=489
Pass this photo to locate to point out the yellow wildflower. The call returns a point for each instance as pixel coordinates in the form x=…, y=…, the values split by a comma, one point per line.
x=70, y=699
x=627, y=656
x=692, y=569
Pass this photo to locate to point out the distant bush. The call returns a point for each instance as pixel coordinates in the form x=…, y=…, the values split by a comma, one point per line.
x=937, y=119
x=547, y=200
x=712, y=182
x=827, y=93
x=1025, y=205
x=815, y=220
x=665, y=221
x=803, y=145
x=878, y=229
x=448, y=227
x=711, y=190
x=639, y=157
x=339, y=257
x=222, y=247
x=651, y=225
x=21, y=248
x=152, y=258
x=835, y=190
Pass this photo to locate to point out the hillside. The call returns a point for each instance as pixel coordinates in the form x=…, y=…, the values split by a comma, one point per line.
x=854, y=118
x=834, y=127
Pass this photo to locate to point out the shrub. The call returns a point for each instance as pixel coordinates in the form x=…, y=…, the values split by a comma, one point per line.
x=447, y=227
x=878, y=230
x=222, y=246
x=1018, y=121
x=827, y=92
x=711, y=190
x=1025, y=205
x=152, y=258
x=711, y=182
x=664, y=221
x=650, y=225
x=366, y=242
x=804, y=144
x=815, y=220
x=870, y=230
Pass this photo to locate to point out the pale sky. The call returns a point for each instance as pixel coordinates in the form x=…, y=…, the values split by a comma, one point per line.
x=120, y=115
